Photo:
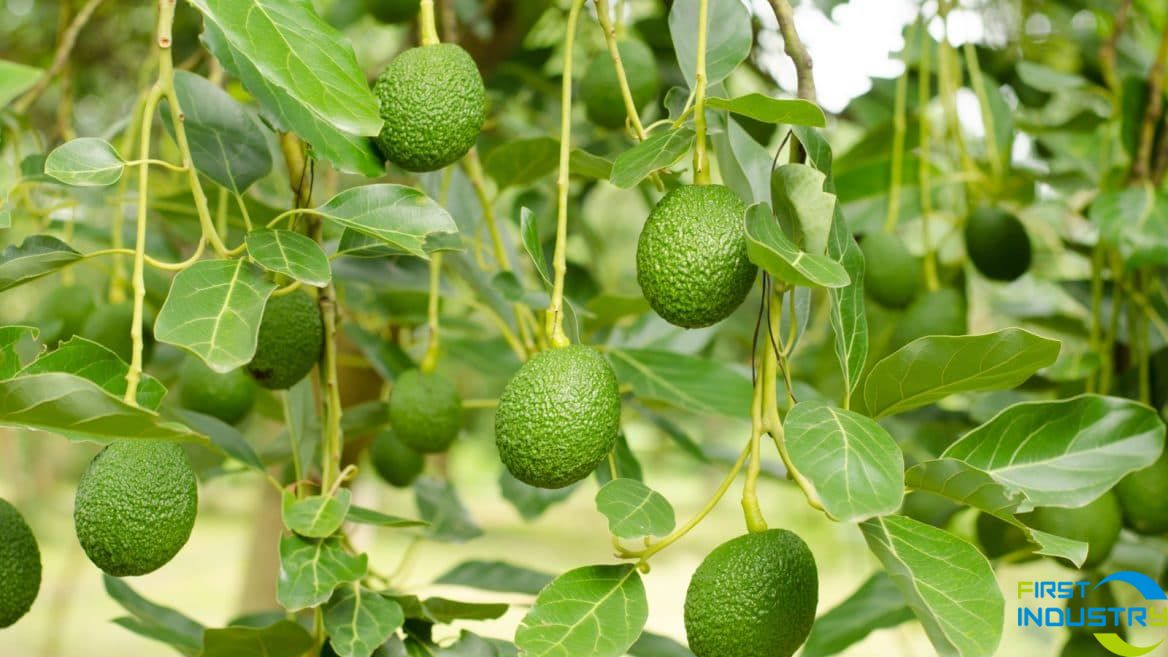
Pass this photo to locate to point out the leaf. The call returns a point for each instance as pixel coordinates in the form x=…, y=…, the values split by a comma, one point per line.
x=438, y=504
x=363, y=516
x=37, y=255
x=803, y=206
x=589, y=165
x=214, y=310
x=359, y=621
x=227, y=143
x=627, y=465
x=291, y=254
x=223, y=436
x=657, y=152
x=745, y=165
x=495, y=576
x=934, y=367
x=300, y=53
x=728, y=42
x=634, y=510
x=316, y=516
x=596, y=610
x=529, y=228
x=655, y=645
x=1064, y=453
x=10, y=338
x=770, y=248
x=161, y=634
x=854, y=468
x=688, y=382
x=92, y=361
x=531, y=502
x=402, y=217
x=520, y=162
x=849, y=320
x=284, y=639
x=311, y=570
x=760, y=107
x=1135, y=220
x=155, y=621
x=15, y=79
x=85, y=162
x=78, y=409
x=948, y=584
x=877, y=604
x=446, y=611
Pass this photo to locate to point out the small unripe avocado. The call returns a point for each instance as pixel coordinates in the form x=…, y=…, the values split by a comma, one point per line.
x=892, y=275
x=135, y=506
x=1142, y=496
x=600, y=88
x=558, y=417
x=425, y=411
x=397, y=463
x=227, y=396
x=997, y=244
x=392, y=11
x=940, y=312
x=63, y=313
x=20, y=565
x=109, y=326
x=753, y=596
x=434, y=104
x=691, y=258
x=290, y=340
x=1097, y=524
x=999, y=538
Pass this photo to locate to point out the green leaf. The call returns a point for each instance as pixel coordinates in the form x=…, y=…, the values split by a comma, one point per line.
x=214, y=310
x=223, y=436
x=15, y=79
x=227, y=143
x=155, y=621
x=760, y=107
x=495, y=576
x=877, y=604
x=1047, y=79
x=589, y=165
x=634, y=510
x=627, y=465
x=301, y=54
x=1135, y=220
x=694, y=384
x=10, y=339
x=1064, y=453
x=291, y=254
x=770, y=248
x=438, y=504
x=531, y=502
x=854, y=468
x=655, y=645
x=316, y=516
x=402, y=217
x=849, y=319
x=363, y=516
x=79, y=409
x=596, y=610
x=179, y=643
x=728, y=42
x=37, y=255
x=529, y=228
x=284, y=639
x=92, y=361
x=85, y=162
x=934, y=367
x=745, y=165
x=802, y=205
x=446, y=611
x=948, y=584
x=657, y=152
x=359, y=621
x=311, y=570
x=521, y=162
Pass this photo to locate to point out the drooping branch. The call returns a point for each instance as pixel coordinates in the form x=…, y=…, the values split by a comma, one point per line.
x=795, y=49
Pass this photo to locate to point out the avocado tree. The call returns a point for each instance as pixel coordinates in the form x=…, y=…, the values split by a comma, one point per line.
x=322, y=242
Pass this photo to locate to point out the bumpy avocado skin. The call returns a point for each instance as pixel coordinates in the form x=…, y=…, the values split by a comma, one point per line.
x=425, y=411
x=691, y=258
x=290, y=340
x=892, y=275
x=558, y=417
x=434, y=104
x=64, y=313
x=1097, y=524
x=20, y=565
x=135, y=506
x=392, y=11
x=997, y=243
x=940, y=312
x=600, y=87
x=396, y=462
x=228, y=397
x=1142, y=496
x=753, y=596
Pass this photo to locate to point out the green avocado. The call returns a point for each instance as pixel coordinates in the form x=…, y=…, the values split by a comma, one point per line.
x=892, y=275
x=997, y=243
x=109, y=326
x=291, y=339
x=1078, y=620
x=425, y=411
x=929, y=508
x=753, y=596
x=558, y=417
x=227, y=396
x=63, y=313
x=1097, y=524
x=434, y=104
x=691, y=258
x=392, y=11
x=999, y=538
x=397, y=463
x=1142, y=496
x=135, y=506
x=940, y=312
x=600, y=88
x=20, y=563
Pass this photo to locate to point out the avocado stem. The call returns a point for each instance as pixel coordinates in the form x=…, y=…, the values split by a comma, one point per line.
x=430, y=360
x=701, y=161
x=427, y=28
x=634, y=117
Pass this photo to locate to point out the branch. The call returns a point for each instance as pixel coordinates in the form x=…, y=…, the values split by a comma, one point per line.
x=1141, y=168
x=60, y=57
x=1107, y=50
x=795, y=49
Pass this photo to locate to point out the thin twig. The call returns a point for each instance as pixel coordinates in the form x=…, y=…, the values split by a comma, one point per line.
x=795, y=49
x=60, y=57
x=1142, y=167
x=1107, y=50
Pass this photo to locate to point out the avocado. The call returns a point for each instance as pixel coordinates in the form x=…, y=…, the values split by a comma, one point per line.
x=425, y=411
x=929, y=508
x=999, y=538
x=1097, y=524
x=227, y=396
x=433, y=103
x=1142, y=496
x=997, y=244
x=892, y=275
x=940, y=312
x=396, y=462
x=1078, y=622
x=691, y=257
x=753, y=596
x=63, y=313
x=290, y=342
x=109, y=326
x=558, y=417
x=135, y=506
x=600, y=87
x=20, y=563
x=392, y=11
